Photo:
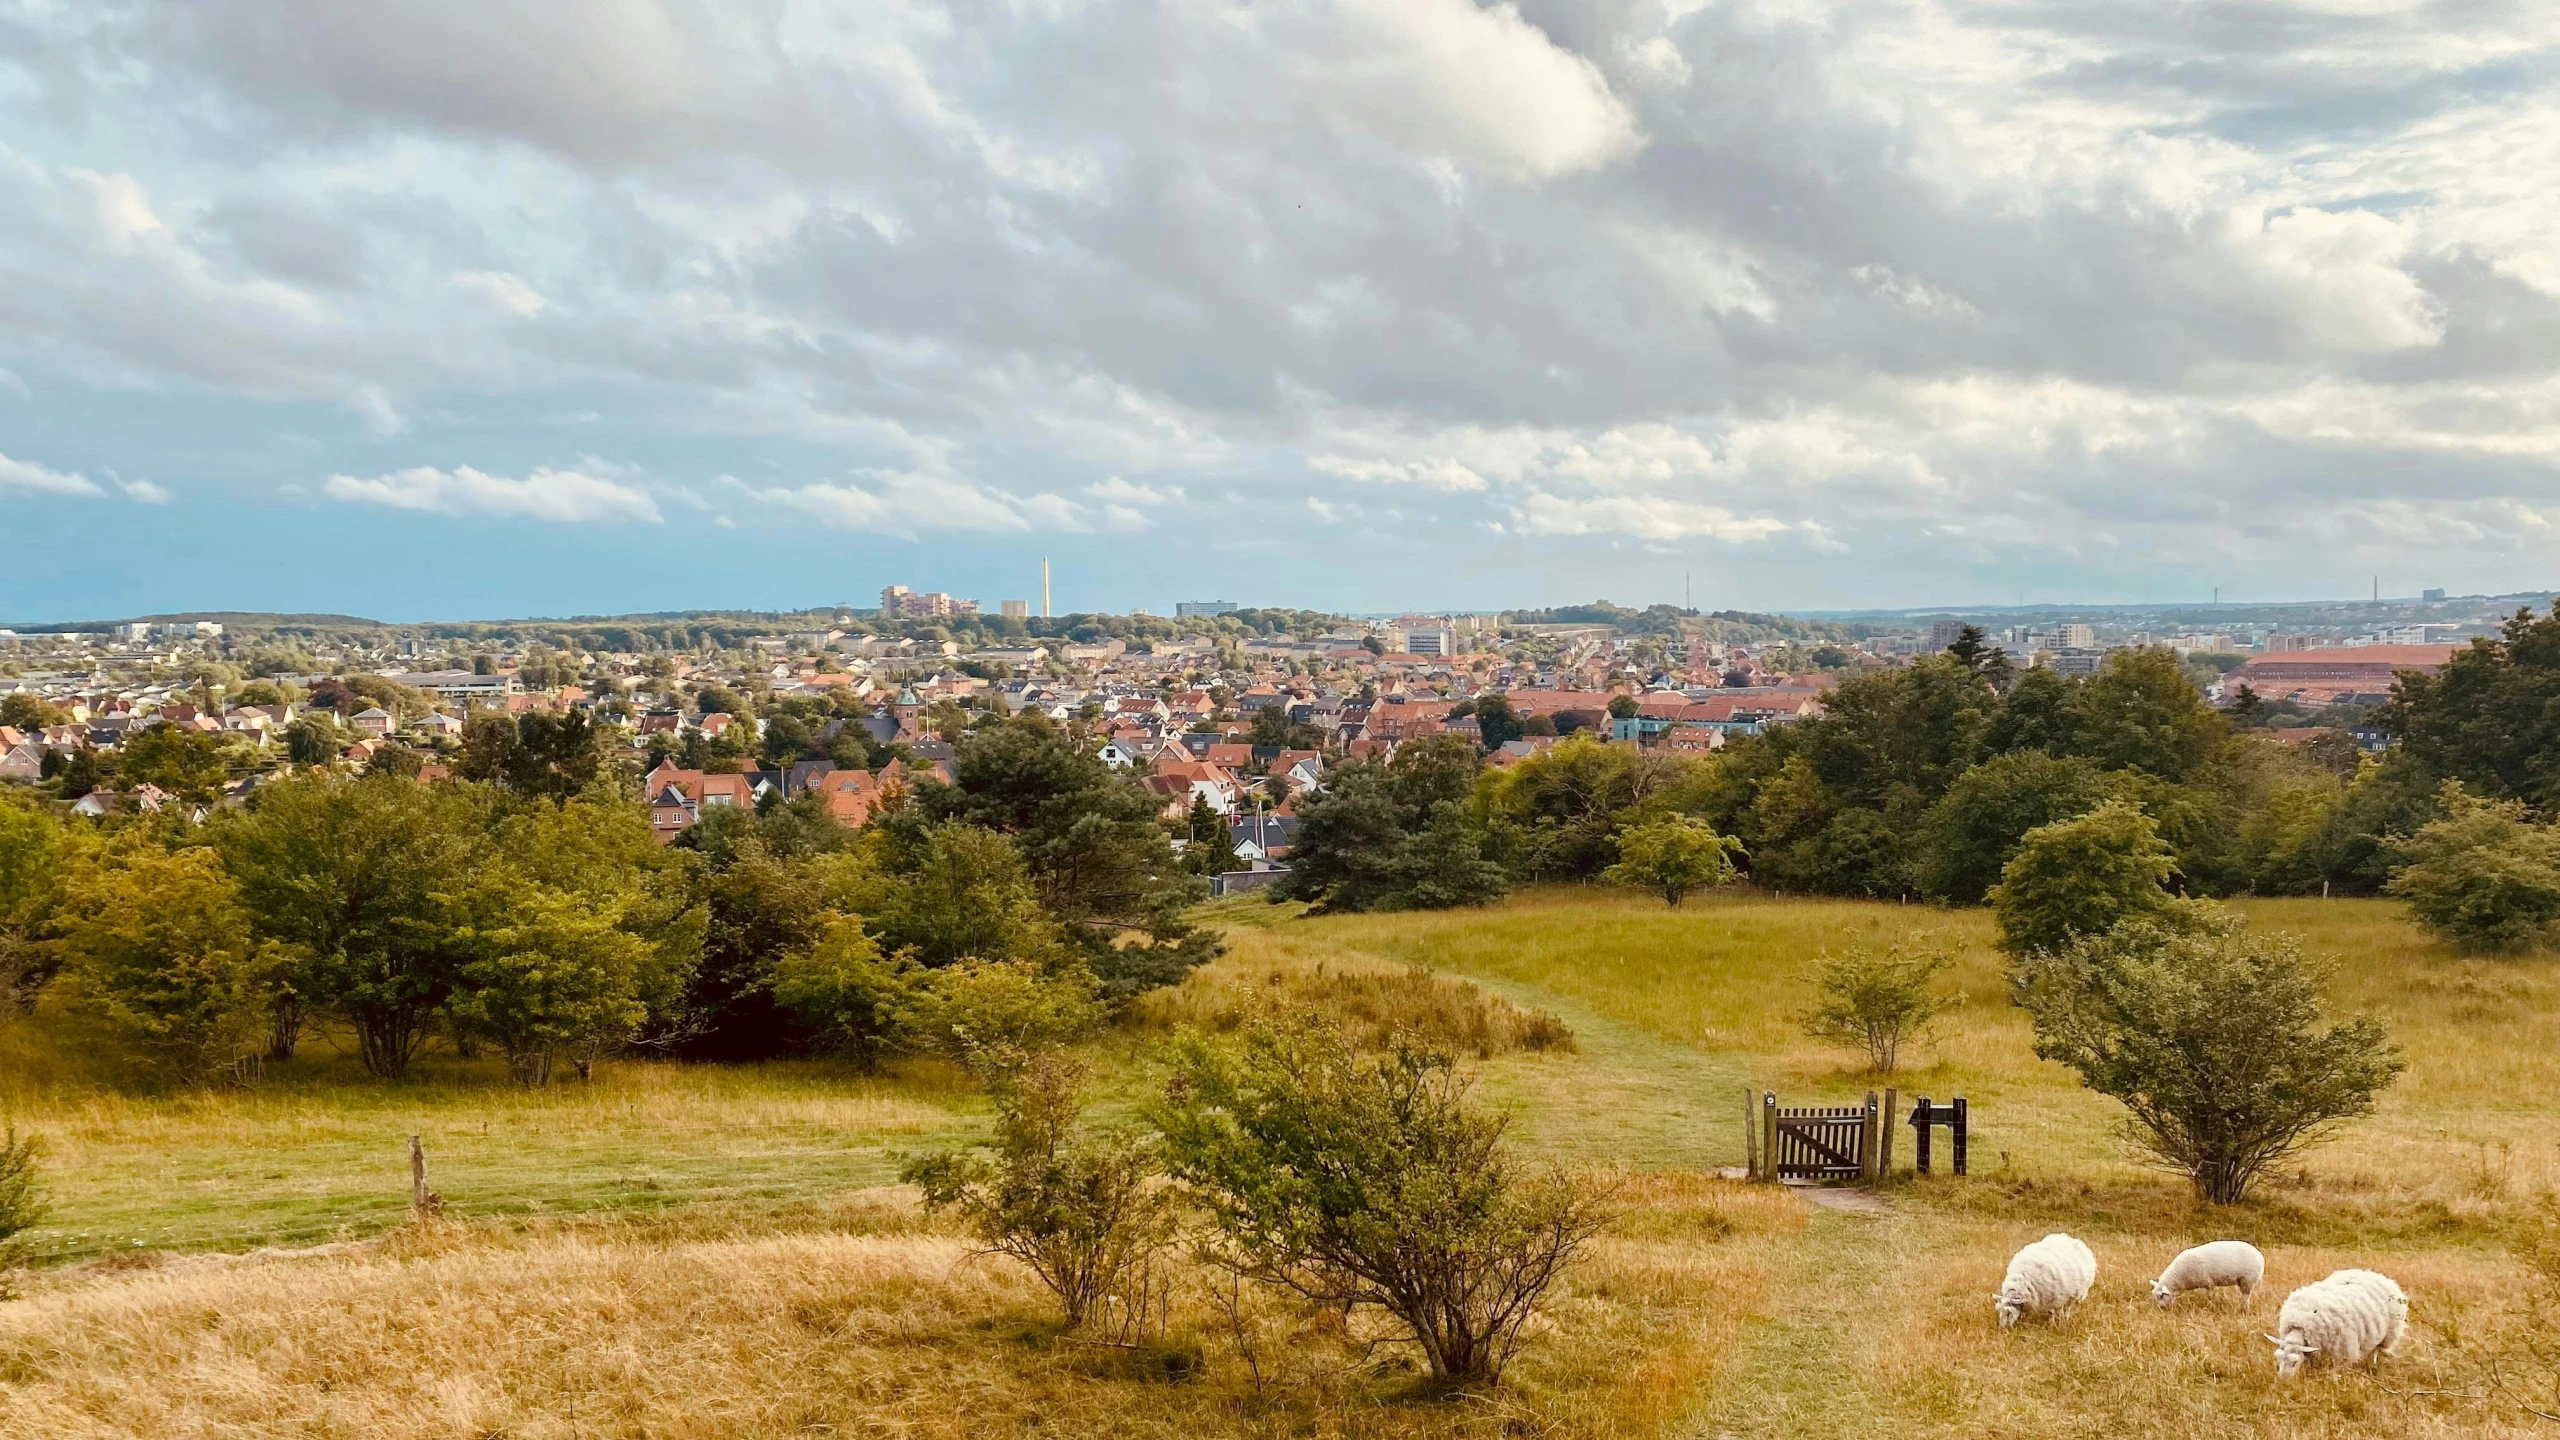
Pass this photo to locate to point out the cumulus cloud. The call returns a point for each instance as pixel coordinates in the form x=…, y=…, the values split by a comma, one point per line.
x=507, y=292
x=31, y=477
x=909, y=503
x=560, y=496
x=144, y=492
x=1916, y=280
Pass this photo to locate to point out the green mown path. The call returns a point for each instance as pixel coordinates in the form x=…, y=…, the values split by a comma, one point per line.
x=1806, y=1367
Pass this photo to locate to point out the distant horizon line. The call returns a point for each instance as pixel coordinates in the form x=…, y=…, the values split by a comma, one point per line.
x=1943, y=610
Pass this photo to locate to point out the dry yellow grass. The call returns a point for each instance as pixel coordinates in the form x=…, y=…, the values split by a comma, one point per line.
x=763, y=1288
x=869, y=1325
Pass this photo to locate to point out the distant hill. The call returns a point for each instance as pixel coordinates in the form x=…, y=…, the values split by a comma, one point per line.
x=246, y=619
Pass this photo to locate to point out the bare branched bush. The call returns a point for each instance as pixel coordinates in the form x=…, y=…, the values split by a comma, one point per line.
x=1086, y=1212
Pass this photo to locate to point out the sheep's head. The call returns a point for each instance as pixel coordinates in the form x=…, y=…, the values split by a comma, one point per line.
x=2290, y=1351
x=2161, y=1294
x=2007, y=1308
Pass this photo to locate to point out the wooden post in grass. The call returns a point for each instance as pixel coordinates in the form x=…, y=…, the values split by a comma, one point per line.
x=1884, y=1136
x=1769, y=1136
x=1920, y=1140
x=425, y=1205
x=1750, y=1135
x=1960, y=1137
x=1869, y=1141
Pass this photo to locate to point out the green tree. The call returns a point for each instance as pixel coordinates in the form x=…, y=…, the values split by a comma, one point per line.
x=312, y=739
x=28, y=713
x=184, y=763
x=946, y=893
x=1393, y=835
x=2480, y=875
x=550, y=971
x=1974, y=828
x=36, y=851
x=549, y=757
x=1497, y=721
x=849, y=994
x=2080, y=877
x=1556, y=815
x=1371, y=1181
x=358, y=879
x=156, y=943
x=2211, y=1038
x=1879, y=1001
x=2491, y=717
x=2141, y=712
x=1098, y=861
x=1673, y=857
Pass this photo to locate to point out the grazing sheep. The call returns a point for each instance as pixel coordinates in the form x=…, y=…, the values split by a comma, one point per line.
x=2209, y=1266
x=2353, y=1317
x=2047, y=1279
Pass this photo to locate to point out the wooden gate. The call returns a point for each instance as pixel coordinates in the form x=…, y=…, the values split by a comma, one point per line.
x=1819, y=1142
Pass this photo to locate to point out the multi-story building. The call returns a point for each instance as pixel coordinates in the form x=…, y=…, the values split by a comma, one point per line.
x=1015, y=609
x=897, y=602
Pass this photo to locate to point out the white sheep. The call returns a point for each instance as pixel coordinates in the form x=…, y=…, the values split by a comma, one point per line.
x=2047, y=1279
x=2210, y=1266
x=2353, y=1317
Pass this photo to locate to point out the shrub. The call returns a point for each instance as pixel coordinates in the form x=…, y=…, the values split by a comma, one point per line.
x=981, y=1011
x=1353, y=1180
x=844, y=988
x=1877, y=1001
x=2081, y=876
x=157, y=943
x=1975, y=827
x=2481, y=877
x=558, y=972
x=1084, y=1212
x=1673, y=857
x=1373, y=1009
x=2211, y=1038
x=21, y=1197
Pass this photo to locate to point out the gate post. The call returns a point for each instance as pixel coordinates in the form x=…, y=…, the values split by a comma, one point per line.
x=1884, y=1136
x=1769, y=1136
x=1959, y=1127
x=1920, y=1141
x=1870, y=1140
x=1750, y=1135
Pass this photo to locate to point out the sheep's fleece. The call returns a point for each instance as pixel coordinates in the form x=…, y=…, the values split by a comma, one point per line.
x=2046, y=1279
x=2220, y=1262
x=2347, y=1319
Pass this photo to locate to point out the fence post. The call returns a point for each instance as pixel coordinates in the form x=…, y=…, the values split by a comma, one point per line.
x=1959, y=1166
x=1769, y=1135
x=1750, y=1135
x=424, y=1204
x=1884, y=1137
x=1870, y=1143
x=1920, y=1140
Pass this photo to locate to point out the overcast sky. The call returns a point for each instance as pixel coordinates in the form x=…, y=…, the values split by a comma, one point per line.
x=488, y=307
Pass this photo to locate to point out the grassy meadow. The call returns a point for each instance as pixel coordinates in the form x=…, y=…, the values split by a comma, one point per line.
x=697, y=1252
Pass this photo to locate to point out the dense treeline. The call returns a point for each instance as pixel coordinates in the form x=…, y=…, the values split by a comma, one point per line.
x=1922, y=781
x=526, y=907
